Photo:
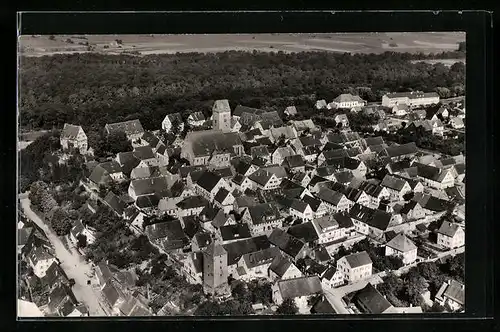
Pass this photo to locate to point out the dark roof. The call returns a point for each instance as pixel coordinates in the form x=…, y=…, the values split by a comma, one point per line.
x=261, y=257
x=358, y=259
x=329, y=196
x=322, y=255
x=194, y=171
x=192, y=202
x=221, y=195
x=240, y=109
x=294, y=161
x=53, y=274
x=111, y=294
x=147, y=201
x=70, y=131
x=280, y=265
x=208, y=180
x=302, y=286
x=322, y=306
x=370, y=141
x=393, y=182
x=157, y=185
x=169, y=230
x=144, y=152
x=204, y=143
x=448, y=229
x=261, y=176
x=372, y=300
x=304, y=232
x=115, y=203
x=343, y=220
x=286, y=242
x=151, y=139
x=401, y=150
x=370, y=188
x=224, y=172
x=344, y=177
x=309, y=141
x=128, y=127
x=374, y=218
x=317, y=179
x=261, y=213
x=235, y=232
x=100, y=176
x=259, y=151
x=235, y=250
x=191, y=225
x=204, y=239
x=242, y=167
x=197, y=116
x=313, y=202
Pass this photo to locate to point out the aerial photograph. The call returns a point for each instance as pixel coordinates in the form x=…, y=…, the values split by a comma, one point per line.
x=241, y=174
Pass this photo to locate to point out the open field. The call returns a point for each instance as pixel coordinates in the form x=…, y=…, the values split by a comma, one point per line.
x=425, y=42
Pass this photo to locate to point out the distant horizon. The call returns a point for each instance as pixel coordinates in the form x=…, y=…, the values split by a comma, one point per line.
x=144, y=44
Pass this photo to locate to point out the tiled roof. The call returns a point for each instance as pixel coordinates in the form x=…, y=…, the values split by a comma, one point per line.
x=401, y=243
x=286, y=242
x=129, y=127
x=261, y=257
x=280, y=265
x=372, y=300
x=235, y=232
x=358, y=259
x=401, y=150
x=208, y=180
x=156, y=185
x=347, y=97
x=70, y=131
x=261, y=213
x=144, y=152
x=448, y=229
x=302, y=286
x=393, y=182
x=192, y=202
x=235, y=250
x=304, y=232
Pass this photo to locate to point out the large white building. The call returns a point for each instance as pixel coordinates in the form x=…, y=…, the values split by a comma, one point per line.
x=355, y=267
x=413, y=98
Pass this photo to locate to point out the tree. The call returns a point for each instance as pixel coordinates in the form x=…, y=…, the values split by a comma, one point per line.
x=408, y=196
x=52, y=37
x=288, y=307
x=82, y=241
x=61, y=222
x=118, y=142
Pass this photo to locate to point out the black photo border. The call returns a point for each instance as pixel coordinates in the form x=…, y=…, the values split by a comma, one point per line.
x=480, y=126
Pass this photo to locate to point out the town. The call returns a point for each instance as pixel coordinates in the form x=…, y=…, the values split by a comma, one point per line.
x=243, y=211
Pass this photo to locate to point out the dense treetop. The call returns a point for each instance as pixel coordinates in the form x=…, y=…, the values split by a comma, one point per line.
x=93, y=89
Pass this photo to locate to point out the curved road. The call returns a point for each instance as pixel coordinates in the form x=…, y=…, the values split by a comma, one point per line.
x=71, y=262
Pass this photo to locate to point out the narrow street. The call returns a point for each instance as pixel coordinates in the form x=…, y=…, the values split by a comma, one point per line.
x=72, y=263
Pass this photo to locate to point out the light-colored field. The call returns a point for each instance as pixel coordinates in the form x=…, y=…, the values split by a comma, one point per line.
x=424, y=42
x=446, y=62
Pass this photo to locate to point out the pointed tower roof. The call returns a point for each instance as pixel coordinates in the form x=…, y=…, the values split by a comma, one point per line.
x=215, y=249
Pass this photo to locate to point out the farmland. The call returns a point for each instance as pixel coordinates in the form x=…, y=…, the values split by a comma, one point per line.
x=412, y=42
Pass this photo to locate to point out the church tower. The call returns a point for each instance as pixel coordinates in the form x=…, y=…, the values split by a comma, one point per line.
x=215, y=270
x=221, y=115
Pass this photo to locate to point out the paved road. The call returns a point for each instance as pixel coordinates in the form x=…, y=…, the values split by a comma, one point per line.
x=72, y=263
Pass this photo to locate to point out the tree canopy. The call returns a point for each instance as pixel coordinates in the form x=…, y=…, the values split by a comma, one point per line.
x=94, y=89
